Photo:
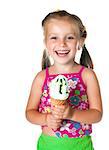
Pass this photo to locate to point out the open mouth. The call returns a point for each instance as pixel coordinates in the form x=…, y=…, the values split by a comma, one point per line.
x=62, y=53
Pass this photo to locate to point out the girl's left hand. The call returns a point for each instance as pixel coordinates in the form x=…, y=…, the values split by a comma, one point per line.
x=62, y=111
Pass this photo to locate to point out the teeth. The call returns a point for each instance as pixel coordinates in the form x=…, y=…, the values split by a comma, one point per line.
x=62, y=51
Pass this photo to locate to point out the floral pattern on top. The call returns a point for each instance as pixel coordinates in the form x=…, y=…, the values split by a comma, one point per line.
x=77, y=100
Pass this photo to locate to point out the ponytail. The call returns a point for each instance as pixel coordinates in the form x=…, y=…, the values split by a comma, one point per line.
x=45, y=60
x=85, y=59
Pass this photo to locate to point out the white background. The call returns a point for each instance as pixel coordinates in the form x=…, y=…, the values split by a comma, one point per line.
x=21, y=46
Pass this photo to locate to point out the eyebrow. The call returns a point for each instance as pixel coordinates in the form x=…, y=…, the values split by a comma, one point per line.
x=52, y=34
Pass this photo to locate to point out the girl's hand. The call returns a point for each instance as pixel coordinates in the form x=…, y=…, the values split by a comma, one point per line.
x=62, y=111
x=53, y=122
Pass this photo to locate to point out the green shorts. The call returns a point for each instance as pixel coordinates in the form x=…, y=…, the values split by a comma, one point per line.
x=46, y=142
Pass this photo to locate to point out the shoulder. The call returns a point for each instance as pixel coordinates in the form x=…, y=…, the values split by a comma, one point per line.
x=88, y=71
x=89, y=75
x=41, y=75
x=39, y=78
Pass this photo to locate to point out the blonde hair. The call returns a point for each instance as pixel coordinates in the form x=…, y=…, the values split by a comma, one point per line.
x=85, y=59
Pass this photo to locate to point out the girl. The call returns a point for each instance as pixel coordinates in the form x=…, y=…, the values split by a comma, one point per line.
x=68, y=126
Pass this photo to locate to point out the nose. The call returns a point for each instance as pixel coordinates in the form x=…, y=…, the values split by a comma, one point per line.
x=62, y=42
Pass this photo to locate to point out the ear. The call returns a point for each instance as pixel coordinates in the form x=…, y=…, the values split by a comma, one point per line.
x=81, y=42
x=77, y=45
x=44, y=42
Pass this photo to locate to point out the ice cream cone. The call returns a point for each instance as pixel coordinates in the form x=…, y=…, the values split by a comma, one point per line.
x=55, y=102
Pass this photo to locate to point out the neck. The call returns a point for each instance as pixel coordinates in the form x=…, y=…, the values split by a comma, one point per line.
x=60, y=68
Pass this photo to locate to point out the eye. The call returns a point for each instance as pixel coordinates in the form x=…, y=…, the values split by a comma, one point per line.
x=70, y=37
x=53, y=38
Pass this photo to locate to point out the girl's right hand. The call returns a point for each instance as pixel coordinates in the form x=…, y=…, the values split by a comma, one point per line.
x=52, y=122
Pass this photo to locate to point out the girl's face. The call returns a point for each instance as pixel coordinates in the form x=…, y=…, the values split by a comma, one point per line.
x=61, y=40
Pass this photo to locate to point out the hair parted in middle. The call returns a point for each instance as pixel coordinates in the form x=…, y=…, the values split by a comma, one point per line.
x=85, y=59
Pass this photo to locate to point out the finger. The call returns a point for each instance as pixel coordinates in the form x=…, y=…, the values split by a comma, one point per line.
x=58, y=109
x=56, y=126
x=58, y=116
x=61, y=106
x=58, y=120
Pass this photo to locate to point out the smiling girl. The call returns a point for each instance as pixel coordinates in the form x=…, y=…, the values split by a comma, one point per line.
x=68, y=126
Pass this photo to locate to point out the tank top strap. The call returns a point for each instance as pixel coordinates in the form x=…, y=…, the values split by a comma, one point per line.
x=47, y=72
x=46, y=77
x=81, y=70
x=80, y=76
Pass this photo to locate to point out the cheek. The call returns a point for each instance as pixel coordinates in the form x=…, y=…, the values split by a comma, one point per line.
x=50, y=46
x=75, y=45
x=49, y=49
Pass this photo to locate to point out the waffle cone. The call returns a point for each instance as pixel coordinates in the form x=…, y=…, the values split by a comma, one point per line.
x=57, y=101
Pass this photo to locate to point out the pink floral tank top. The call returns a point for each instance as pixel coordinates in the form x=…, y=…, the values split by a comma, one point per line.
x=77, y=100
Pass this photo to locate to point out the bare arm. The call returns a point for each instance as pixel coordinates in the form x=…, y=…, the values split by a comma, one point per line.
x=94, y=114
x=32, y=113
